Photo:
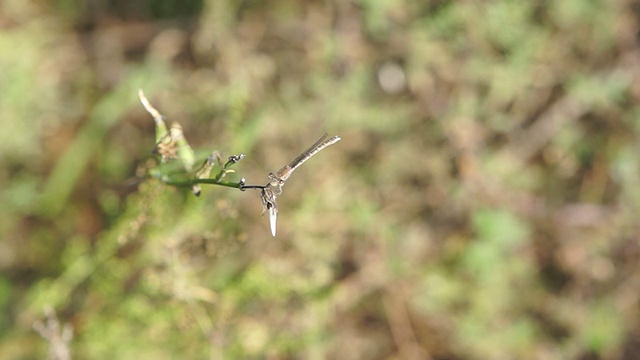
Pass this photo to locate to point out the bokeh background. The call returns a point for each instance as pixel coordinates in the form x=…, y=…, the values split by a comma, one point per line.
x=483, y=203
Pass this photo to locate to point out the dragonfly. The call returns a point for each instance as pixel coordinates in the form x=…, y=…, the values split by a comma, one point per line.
x=273, y=189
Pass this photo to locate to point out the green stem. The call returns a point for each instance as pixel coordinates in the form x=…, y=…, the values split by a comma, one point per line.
x=189, y=183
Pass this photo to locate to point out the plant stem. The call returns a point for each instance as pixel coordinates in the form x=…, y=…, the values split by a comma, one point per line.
x=191, y=182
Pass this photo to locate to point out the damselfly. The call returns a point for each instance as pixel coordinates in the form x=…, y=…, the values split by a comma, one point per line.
x=273, y=189
x=283, y=174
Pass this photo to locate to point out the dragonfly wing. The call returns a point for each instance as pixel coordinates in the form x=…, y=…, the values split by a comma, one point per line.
x=273, y=215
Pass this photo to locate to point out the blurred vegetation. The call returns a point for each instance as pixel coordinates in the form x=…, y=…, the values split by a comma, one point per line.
x=482, y=204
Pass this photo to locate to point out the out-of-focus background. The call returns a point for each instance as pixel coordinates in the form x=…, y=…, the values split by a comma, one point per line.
x=483, y=203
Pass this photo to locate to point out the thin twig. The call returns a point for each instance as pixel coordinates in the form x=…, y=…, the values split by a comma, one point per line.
x=57, y=336
x=400, y=325
x=191, y=182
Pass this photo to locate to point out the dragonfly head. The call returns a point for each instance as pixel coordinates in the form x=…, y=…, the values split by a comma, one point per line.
x=274, y=180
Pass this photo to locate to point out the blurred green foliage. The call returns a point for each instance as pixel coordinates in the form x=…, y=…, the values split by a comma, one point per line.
x=482, y=204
